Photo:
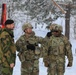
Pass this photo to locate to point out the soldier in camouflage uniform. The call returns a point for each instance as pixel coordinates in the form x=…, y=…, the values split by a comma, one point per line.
x=29, y=52
x=7, y=49
x=44, y=47
x=58, y=47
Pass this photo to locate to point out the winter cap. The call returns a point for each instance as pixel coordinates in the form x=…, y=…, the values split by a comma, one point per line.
x=9, y=21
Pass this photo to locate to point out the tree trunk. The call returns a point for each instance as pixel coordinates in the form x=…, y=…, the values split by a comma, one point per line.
x=67, y=21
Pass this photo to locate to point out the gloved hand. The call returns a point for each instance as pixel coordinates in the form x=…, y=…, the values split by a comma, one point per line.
x=46, y=63
x=31, y=47
x=69, y=64
x=48, y=34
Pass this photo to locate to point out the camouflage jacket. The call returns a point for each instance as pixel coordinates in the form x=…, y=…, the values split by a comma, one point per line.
x=58, y=48
x=22, y=43
x=8, y=48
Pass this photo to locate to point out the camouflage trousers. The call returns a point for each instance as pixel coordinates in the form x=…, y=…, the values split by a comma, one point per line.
x=5, y=71
x=56, y=68
x=30, y=68
x=0, y=69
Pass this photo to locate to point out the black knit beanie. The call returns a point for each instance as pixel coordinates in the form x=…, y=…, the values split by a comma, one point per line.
x=9, y=21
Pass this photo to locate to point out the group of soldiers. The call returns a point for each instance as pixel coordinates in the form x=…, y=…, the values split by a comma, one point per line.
x=53, y=48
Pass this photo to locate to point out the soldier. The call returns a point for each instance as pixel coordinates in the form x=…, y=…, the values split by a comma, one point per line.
x=44, y=48
x=29, y=52
x=58, y=47
x=8, y=49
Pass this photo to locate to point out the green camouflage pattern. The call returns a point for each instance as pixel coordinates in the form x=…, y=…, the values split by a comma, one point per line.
x=45, y=51
x=6, y=71
x=57, y=49
x=1, y=53
x=29, y=59
x=8, y=51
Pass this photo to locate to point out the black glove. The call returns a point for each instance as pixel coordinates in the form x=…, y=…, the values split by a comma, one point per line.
x=31, y=47
x=69, y=64
x=46, y=63
x=48, y=34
